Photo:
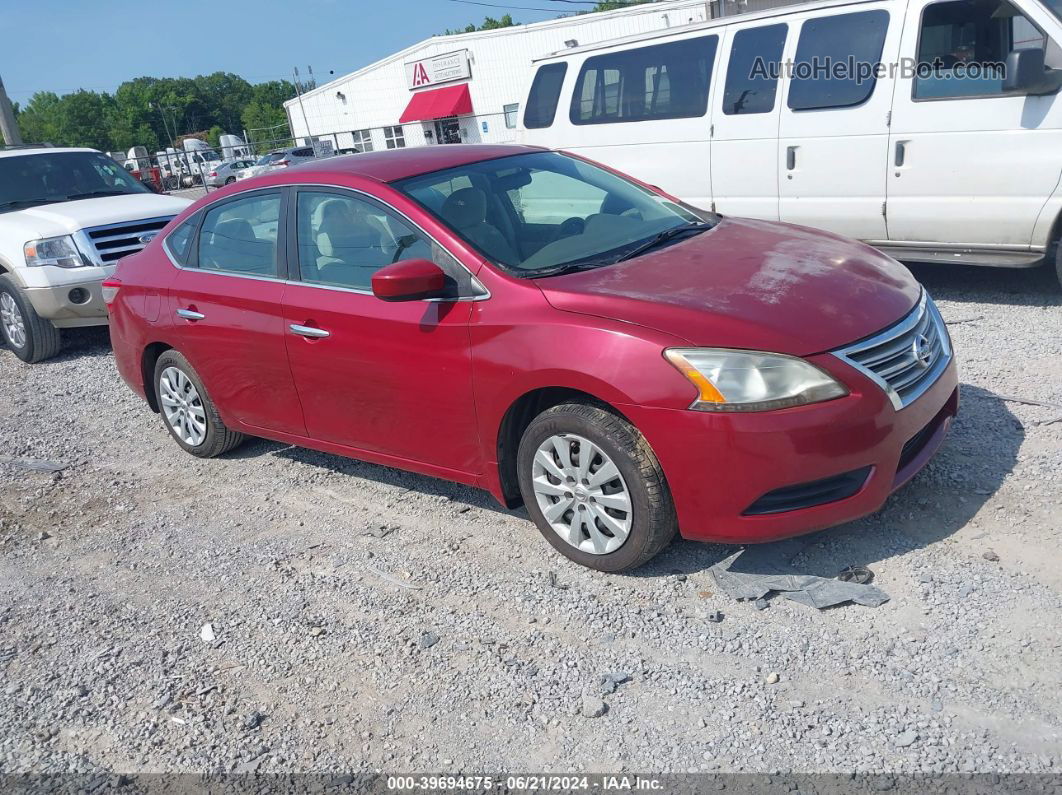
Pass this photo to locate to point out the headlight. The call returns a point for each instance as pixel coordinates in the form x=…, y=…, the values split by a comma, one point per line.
x=58, y=251
x=729, y=380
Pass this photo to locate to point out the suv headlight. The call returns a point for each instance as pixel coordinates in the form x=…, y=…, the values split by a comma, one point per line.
x=731, y=380
x=58, y=251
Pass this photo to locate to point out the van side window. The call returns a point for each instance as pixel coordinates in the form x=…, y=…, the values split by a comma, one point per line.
x=752, y=74
x=963, y=46
x=821, y=74
x=663, y=81
x=542, y=99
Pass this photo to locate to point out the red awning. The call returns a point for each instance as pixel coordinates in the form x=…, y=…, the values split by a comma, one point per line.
x=438, y=103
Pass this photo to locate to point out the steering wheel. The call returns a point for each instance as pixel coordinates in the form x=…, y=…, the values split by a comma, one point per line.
x=571, y=226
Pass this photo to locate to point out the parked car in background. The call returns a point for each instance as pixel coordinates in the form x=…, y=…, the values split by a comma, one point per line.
x=536, y=325
x=950, y=159
x=225, y=173
x=66, y=217
x=282, y=158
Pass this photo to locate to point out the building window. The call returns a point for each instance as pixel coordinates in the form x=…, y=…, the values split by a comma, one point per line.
x=394, y=137
x=362, y=140
x=663, y=81
x=511, y=113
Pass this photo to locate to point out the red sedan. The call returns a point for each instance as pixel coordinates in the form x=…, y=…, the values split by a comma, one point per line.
x=531, y=323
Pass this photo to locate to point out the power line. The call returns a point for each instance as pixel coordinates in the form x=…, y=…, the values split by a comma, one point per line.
x=506, y=7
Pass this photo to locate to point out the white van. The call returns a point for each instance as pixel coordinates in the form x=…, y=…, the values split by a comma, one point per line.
x=950, y=150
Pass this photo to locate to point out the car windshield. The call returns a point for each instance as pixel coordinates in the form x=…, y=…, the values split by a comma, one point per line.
x=267, y=159
x=544, y=213
x=1054, y=6
x=46, y=178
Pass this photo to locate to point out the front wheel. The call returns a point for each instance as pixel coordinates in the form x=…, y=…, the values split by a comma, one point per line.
x=1058, y=262
x=594, y=487
x=30, y=337
x=230, y=180
x=187, y=410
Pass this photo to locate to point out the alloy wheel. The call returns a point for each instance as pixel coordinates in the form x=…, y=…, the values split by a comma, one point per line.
x=11, y=318
x=182, y=406
x=581, y=494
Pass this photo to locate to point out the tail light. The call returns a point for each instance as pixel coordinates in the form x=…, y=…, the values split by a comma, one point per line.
x=110, y=289
x=282, y=163
x=213, y=174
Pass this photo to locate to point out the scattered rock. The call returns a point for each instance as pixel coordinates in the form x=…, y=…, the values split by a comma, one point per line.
x=905, y=739
x=773, y=678
x=593, y=707
x=427, y=640
x=990, y=555
x=206, y=632
x=253, y=721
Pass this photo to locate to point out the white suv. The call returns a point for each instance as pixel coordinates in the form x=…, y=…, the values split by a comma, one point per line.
x=66, y=217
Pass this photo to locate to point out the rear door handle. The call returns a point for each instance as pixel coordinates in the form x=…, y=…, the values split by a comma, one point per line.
x=190, y=314
x=309, y=331
x=790, y=157
x=901, y=153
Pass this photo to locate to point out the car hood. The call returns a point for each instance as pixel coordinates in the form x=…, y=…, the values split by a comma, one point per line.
x=64, y=218
x=749, y=284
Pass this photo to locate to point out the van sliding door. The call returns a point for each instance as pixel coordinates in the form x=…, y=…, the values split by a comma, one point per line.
x=833, y=132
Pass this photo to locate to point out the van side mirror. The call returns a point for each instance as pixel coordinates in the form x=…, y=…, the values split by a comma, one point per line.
x=409, y=280
x=1026, y=73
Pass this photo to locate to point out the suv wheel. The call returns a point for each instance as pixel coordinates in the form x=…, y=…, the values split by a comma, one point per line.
x=1058, y=261
x=594, y=488
x=30, y=337
x=188, y=412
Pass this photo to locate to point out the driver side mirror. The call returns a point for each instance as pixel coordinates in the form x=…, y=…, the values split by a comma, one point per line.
x=409, y=280
x=1026, y=73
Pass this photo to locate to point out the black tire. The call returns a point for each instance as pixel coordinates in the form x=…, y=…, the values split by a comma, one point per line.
x=218, y=439
x=230, y=180
x=42, y=338
x=653, y=521
x=1058, y=262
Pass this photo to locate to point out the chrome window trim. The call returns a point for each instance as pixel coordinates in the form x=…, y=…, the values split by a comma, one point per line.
x=904, y=326
x=476, y=283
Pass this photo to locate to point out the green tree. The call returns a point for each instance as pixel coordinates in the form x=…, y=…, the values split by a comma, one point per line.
x=266, y=125
x=489, y=23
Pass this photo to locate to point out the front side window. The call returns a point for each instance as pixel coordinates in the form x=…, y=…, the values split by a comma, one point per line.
x=664, y=81
x=241, y=236
x=545, y=92
x=344, y=240
x=393, y=137
x=963, y=47
x=836, y=60
x=752, y=74
x=535, y=214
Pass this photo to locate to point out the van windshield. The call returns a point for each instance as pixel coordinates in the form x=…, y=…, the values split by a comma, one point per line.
x=1054, y=6
x=49, y=177
x=545, y=213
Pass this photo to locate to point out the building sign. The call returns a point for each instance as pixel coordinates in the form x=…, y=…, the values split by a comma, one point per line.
x=440, y=69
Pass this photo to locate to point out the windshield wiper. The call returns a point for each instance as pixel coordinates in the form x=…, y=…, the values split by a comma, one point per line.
x=569, y=267
x=663, y=237
x=92, y=194
x=19, y=203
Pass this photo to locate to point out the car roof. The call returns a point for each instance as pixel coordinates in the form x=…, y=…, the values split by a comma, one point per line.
x=22, y=151
x=390, y=165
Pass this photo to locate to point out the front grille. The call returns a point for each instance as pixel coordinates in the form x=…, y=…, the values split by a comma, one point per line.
x=112, y=242
x=808, y=495
x=906, y=359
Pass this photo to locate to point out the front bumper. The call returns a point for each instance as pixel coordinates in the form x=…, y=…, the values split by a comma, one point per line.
x=57, y=303
x=719, y=465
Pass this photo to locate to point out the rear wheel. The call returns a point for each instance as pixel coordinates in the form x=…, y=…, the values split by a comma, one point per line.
x=594, y=487
x=230, y=180
x=30, y=337
x=1058, y=262
x=187, y=410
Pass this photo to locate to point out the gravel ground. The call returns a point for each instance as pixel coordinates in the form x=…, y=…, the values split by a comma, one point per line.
x=367, y=619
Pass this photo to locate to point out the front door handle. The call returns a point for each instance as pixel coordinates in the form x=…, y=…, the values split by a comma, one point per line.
x=308, y=331
x=190, y=314
x=901, y=153
x=790, y=157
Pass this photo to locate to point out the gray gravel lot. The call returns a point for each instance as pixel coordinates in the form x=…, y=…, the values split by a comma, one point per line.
x=367, y=619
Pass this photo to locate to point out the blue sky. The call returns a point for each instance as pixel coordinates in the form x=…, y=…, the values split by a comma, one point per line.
x=63, y=45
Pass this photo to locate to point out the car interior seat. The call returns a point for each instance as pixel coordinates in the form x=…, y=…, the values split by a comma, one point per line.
x=466, y=211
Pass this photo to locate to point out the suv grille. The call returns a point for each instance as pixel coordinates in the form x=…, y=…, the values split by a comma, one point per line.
x=906, y=359
x=112, y=242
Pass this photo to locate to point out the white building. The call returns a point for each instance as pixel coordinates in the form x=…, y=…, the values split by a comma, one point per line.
x=461, y=88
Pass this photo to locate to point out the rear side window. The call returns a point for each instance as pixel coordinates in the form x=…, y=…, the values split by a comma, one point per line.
x=752, y=74
x=241, y=236
x=545, y=91
x=836, y=60
x=178, y=243
x=664, y=81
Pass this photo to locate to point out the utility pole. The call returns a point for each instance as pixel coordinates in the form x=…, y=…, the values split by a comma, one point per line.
x=8, y=125
x=298, y=92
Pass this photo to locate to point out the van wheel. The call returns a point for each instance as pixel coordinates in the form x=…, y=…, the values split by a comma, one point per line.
x=187, y=410
x=1058, y=262
x=27, y=334
x=594, y=487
